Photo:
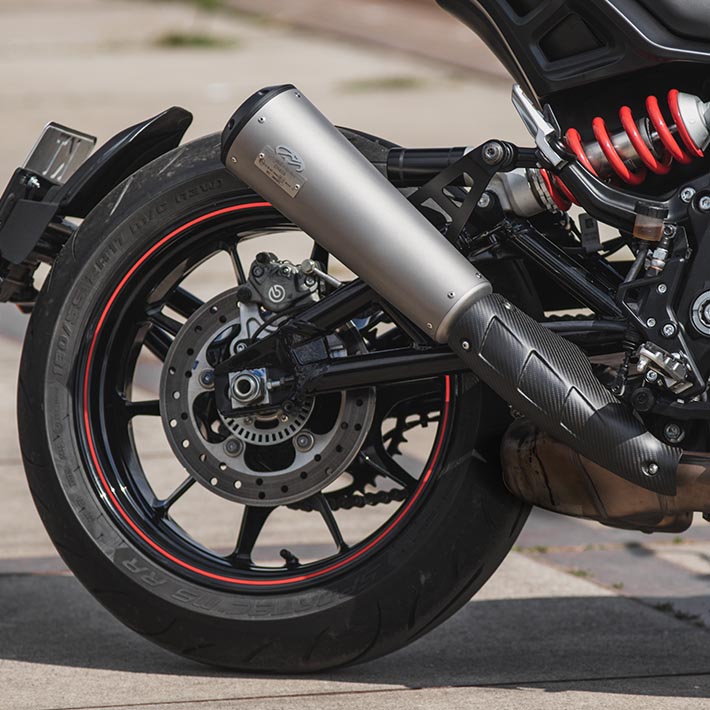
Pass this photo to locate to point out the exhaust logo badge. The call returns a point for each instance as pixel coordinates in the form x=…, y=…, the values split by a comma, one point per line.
x=283, y=166
x=291, y=158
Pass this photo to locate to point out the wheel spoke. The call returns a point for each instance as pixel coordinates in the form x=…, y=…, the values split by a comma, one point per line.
x=148, y=408
x=183, y=302
x=165, y=322
x=384, y=465
x=164, y=505
x=158, y=342
x=253, y=522
x=237, y=264
x=320, y=503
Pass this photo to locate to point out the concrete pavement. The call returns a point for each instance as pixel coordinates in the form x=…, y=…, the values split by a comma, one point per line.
x=579, y=615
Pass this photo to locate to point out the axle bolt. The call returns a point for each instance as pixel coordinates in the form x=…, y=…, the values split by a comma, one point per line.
x=233, y=447
x=668, y=330
x=207, y=378
x=687, y=194
x=305, y=441
x=673, y=433
x=493, y=153
x=704, y=203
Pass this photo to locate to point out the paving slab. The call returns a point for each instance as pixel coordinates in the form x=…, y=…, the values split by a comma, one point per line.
x=532, y=627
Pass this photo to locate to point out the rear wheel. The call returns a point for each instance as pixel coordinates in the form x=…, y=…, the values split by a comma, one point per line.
x=326, y=530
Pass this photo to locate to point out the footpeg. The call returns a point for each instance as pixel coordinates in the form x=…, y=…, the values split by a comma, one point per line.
x=550, y=381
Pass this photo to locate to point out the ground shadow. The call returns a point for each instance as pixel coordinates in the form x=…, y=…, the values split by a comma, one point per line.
x=552, y=643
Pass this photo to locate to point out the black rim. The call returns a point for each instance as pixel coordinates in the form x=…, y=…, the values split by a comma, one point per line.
x=134, y=321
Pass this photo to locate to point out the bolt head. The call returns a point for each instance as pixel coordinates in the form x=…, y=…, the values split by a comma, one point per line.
x=673, y=433
x=661, y=288
x=669, y=230
x=651, y=468
x=304, y=441
x=207, y=378
x=687, y=194
x=651, y=322
x=233, y=447
x=484, y=201
x=450, y=294
x=241, y=347
x=493, y=153
x=262, y=119
x=651, y=376
x=234, y=159
x=430, y=326
x=706, y=313
x=465, y=345
x=668, y=330
x=704, y=203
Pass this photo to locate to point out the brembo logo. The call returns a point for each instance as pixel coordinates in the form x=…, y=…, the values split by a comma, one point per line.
x=290, y=157
x=277, y=293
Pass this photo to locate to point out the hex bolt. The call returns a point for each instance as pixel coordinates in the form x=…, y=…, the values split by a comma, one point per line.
x=33, y=183
x=704, y=203
x=465, y=345
x=651, y=322
x=651, y=376
x=485, y=201
x=669, y=230
x=309, y=281
x=305, y=441
x=661, y=288
x=650, y=469
x=233, y=447
x=668, y=330
x=493, y=153
x=687, y=194
x=673, y=433
x=207, y=378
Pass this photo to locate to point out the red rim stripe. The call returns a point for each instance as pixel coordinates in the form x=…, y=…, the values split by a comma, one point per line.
x=112, y=497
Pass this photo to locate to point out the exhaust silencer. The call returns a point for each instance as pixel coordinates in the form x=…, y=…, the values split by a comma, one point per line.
x=289, y=153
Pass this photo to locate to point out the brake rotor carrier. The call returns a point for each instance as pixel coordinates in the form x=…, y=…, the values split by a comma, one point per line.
x=216, y=450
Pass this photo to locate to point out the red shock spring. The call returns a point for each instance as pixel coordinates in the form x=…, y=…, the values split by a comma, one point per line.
x=667, y=144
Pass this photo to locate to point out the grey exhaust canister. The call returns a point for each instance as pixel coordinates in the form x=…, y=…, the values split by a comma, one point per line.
x=280, y=145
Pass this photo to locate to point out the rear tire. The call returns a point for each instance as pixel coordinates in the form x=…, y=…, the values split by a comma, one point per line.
x=439, y=556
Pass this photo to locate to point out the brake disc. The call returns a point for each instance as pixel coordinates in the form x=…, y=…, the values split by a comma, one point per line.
x=219, y=452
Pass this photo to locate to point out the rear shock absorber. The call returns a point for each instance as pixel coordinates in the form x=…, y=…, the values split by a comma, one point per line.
x=649, y=144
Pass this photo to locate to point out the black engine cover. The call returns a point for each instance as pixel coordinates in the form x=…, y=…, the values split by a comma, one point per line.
x=551, y=46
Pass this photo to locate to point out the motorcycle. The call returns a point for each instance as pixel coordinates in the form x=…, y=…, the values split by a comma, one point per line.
x=484, y=350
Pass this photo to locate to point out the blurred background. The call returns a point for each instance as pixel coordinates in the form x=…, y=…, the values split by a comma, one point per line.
x=403, y=69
